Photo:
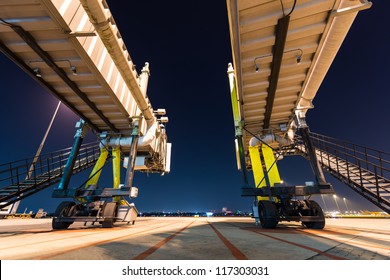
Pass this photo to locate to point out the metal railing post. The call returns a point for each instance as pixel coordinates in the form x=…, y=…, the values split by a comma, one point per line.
x=61, y=165
x=48, y=169
x=354, y=153
x=40, y=163
x=377, y=184
x=34, y=174
x=12, y=176
x=17, y=178
x=27, y=172
x=361, y=177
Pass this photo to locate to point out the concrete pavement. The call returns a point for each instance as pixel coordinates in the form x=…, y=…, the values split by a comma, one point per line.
x=218, y=238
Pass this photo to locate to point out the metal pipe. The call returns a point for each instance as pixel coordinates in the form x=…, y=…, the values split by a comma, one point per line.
x=14, y=208
x=269, y=139
x=116, y=141
x=143, y=141
x=32, y=167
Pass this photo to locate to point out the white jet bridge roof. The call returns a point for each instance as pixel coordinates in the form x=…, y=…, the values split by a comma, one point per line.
x=63, y=45
x=282, y=50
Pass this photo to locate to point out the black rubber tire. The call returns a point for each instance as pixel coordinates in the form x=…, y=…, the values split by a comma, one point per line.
x=62, y=211
x=109, y=212
x=268, y=214
x=315, y=210
x=108, y=223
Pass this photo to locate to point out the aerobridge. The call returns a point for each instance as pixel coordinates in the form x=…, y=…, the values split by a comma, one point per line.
x=281, y=53
x=75, y=50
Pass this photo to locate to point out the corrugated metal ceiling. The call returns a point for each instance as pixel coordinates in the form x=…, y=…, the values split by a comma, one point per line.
x=316, y=29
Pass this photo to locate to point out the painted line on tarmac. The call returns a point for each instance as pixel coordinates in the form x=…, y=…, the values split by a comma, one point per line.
x=233, y=249
x=57, y=232
x=334, y=257
x=354, y=235
x=261, y=232
x=157, y=246
x=42, y=257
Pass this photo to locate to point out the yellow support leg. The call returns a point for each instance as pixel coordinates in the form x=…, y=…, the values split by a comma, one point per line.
x=94, y=178
x=257, y=168
x=116, y=171
x=270, y=165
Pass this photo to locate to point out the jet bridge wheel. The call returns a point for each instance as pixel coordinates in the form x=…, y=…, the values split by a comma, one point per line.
x=109, y=213
x=62, y=211
x=315, y=210
x=268, y=214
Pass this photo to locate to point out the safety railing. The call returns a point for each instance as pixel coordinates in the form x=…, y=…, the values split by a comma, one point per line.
x=364, y=169
x=373, y=160
x=28, y=176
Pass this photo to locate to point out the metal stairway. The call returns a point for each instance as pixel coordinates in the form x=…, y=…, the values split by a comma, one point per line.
x=364, y=170
x=21, y=179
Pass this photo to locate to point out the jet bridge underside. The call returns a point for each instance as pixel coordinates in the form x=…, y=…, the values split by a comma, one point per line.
x=281, y=52
x=74, y=49
x=55, y=42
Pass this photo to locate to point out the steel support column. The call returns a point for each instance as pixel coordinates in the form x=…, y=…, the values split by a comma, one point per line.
x=82, y=129
x=132, y=156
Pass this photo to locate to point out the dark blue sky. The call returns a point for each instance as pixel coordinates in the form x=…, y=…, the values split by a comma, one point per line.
x=187, y=45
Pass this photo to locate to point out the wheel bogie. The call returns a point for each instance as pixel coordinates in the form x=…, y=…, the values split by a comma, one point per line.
x=106, y=213
x=62, y=211
x=308, y=212
x=268, y=214
x=109, y=213
x=315, y=210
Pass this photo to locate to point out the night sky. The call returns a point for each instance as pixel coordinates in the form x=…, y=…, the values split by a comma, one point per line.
x=187, y=45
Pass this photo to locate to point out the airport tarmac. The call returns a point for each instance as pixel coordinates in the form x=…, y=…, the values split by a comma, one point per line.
x=190, y=238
